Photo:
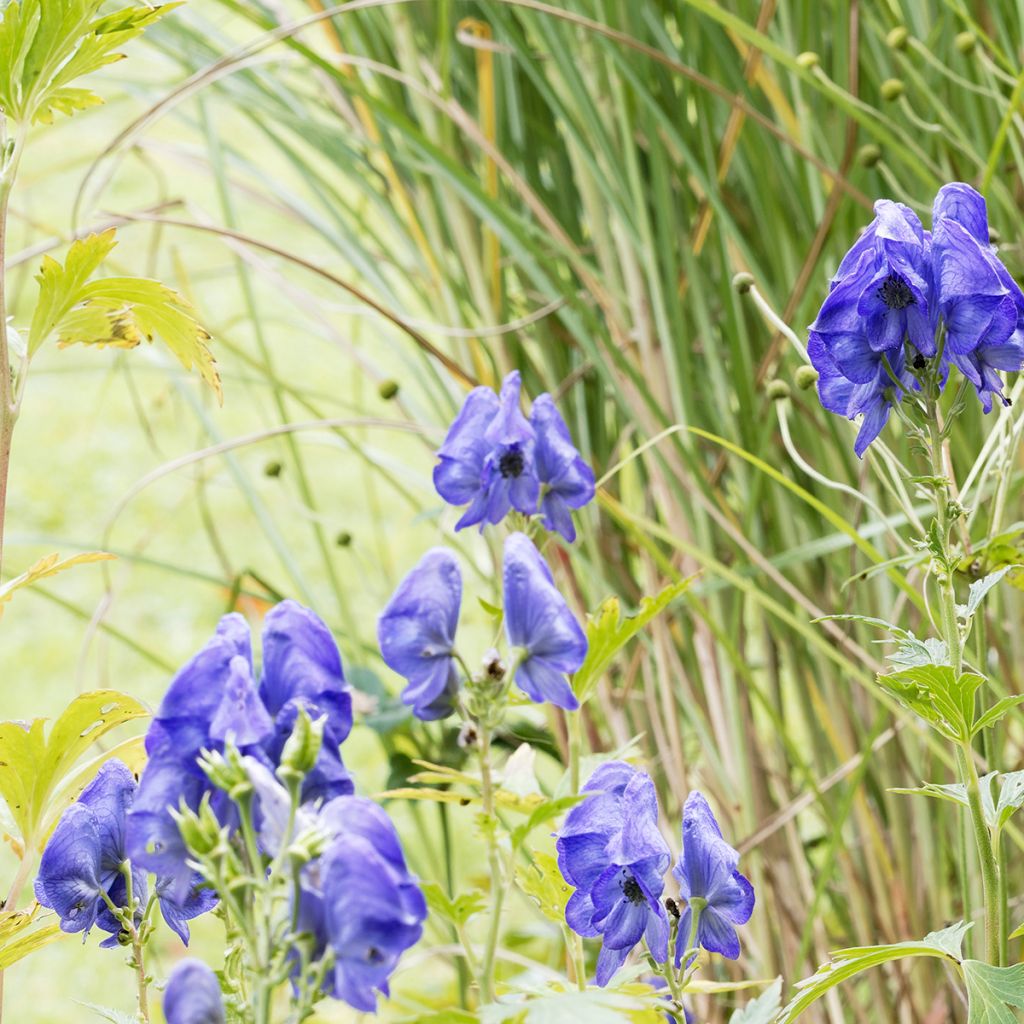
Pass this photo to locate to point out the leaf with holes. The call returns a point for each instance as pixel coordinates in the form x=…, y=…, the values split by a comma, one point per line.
x=608, y=632
x=543, y=882
x=33, y=764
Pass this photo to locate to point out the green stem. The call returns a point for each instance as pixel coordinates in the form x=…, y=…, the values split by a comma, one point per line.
x=574, y=724
x=494, y=860
x=1004, y=901
x=954, y=643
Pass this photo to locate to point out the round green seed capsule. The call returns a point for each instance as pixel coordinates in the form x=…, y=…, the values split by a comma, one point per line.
x=743, y=282
x=777, y=390
x=805, y=377
x=892, y=89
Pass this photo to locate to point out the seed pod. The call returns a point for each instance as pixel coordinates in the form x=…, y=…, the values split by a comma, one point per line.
x=743, y=282
x=892, y=89
x=805, y=377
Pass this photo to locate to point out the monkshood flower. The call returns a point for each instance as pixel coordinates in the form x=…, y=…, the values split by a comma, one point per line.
x=981, y=305
x=899, y=292
x=416, y=632
x=494, y=460
x=709, y=882
x=192, y=995
x=487, y=457
x=85, y=857
x=567, y=482
x=538, y=622
x=611, y=850
x=213, y=700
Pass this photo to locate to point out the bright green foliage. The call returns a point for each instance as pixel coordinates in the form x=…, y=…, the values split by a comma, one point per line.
x=938, y=695
x=979, y=588
x=544, y=883
x=997, y=812
x=846, y=963
x=608, y=632
x=46, y=45
x=991, y=991
x=459, y=910
x=33, y=765
x=119, y=311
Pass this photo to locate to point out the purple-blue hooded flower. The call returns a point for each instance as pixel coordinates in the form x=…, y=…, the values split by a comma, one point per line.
x=539, y=623
x=214, y=699
x=85, y=857
x=567, y=482
x=193, y=995
x=706, y=870
x=416, y=632
x=611, y=850
x=981, y=304
x=486, y=460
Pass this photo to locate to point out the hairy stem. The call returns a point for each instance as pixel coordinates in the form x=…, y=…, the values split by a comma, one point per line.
x=950, y=627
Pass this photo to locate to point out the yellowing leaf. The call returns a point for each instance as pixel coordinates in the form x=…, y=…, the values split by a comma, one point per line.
x=544, y=883
x=20, y=934
x=49, y=565
x=125, y=310
x=33, y=765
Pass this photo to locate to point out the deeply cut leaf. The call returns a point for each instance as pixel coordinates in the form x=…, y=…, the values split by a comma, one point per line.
x=50, y=565
x=608, y=632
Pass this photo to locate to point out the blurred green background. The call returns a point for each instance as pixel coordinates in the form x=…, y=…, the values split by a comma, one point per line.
x=372, y=208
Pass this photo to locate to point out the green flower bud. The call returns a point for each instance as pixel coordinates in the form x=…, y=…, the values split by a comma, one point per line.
x=302, y=748
x=226, y=771
x=777, y=390
x=808, y=59
x=743, y=282
x=805, y=377
x=200, y=831
x=892, y=89
x=897, y=38
x=965, y=42
x=869, y=155
x=388, y=389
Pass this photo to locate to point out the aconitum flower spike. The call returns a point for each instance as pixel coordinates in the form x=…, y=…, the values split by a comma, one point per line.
x=538, y=621
x=611, y=849
x=416, y=632
x=193, y=995
x=567, y=482
x=214, y=699
x=706, y=870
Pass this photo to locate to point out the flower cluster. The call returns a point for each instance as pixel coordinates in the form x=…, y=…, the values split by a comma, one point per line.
x=215, y=700
x=494, y=459
x=85, y=865
x=612, y=851
x=906, y=302
x=357, y=899
x=416, y=630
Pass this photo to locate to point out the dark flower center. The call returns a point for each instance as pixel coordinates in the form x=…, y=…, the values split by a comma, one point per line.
x=631, y=890
x=895, y=292
x=374, y=955
x=511, y=463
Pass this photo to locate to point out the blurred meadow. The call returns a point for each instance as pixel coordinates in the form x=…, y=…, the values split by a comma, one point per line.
x=376, y=205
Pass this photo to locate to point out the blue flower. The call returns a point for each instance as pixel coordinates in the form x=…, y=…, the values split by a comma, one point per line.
x=86, y=857
x=538, y=621
x=567, y=482
x=192, y=995
x=215, y=699
x=416, y=632
x=706, y=870
x=360, y=899
x=982, y=306
x=611, y=850
x=486, y=460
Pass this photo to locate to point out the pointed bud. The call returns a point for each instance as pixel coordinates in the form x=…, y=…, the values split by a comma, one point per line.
x=302, y=748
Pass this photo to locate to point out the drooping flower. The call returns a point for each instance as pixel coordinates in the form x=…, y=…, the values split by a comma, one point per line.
x=706, y=871
x=567, y=482
x=611, y=850
x=486, y=460
x=539, y=623
x=214, y=699
x=193, y=995
x=416, y=633
x=86, y=856
x=982, y=306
